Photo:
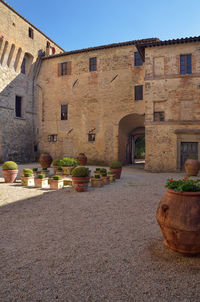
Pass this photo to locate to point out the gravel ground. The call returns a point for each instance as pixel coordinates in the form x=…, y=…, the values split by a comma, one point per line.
x=101, y=245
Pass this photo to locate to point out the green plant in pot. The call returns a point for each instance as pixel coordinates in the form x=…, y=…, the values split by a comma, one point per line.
x=27, y=178
x=41, y=181
x=80, y=178
x=178, y=215
x=111, y=176
x=9, y=171
x=56, y=182
x=96, y=181
x=68, y=164
x=56, y=163
x=116, y=168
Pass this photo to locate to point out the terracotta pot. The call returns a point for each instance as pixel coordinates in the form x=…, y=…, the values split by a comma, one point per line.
x=82, y=159
x=41, y=182
x=96, y=182
x=27, y=181
x=56, y=184
x=117, y=172
x=67, y=170
x=80, y=183
x=192, y=167
x=55, y=169
x=105, y=180
x=10, y=175
x=178, y=215
x=45, y=160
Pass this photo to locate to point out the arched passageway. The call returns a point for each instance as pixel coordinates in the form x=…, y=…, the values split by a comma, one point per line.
x=131, y=138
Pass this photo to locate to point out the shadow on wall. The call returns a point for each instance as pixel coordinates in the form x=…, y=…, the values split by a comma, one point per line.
x=18, y=112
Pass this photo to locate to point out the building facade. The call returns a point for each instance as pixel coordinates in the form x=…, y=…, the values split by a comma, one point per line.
x=98, y=100
x=21, y=47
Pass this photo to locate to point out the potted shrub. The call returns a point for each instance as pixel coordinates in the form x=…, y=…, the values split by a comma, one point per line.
x=82, y=159
x=68, y=164
x=80, y=178
x=27, y=170
x=191, y=166
x=96, y=181
x=41, y=181
x=9, y=171
x=45, y=171
x=97, y=171
x=45, y=160
x=59, y=171
x=116, y=168
x=56, y=164
x=178, y=215
x=56, y=182
x=35, y=171
x=104, y=177
x=27, y=179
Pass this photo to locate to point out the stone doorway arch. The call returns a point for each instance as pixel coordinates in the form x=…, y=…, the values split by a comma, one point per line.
x=131, y=127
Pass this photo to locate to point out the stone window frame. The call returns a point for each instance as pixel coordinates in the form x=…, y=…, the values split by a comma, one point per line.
x=138, y=92
x=52, y=138
x=91, y=137
x=64, y=113
x=93, y=64
x=30, y=33
x=185, y=63
x=137, y=59
x=159, y=116
x=21, y=98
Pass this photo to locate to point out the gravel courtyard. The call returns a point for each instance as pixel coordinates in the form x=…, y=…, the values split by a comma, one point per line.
x=101, y=245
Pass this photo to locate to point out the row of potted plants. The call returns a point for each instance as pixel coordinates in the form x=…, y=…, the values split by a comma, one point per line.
x=46, y=161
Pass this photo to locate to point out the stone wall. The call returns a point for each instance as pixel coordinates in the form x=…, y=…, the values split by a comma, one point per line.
x=97, y=101
x=18, y=135
x=178, y=96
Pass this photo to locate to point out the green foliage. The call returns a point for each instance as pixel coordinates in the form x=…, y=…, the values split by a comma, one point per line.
x=115, y=164
x=68, y=162
x=57, y=177
x=44, y=169
x=60, y=169
x=98, y=169
x=104, y=174
x=140, y=147
x=56, y=162
x=30, y=171
x=183, y=185
x=10, y=165
x=41, y=176
x=103, y=170
x=35, y=169
x=28, y=174
x=110, y=173
x=80, y=172
x=98, y=176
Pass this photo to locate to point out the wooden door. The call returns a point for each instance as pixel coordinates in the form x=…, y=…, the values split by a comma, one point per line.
x=188, y=150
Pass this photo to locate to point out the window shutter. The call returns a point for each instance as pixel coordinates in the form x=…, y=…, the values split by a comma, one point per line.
x=59, y=69
x=69, y=68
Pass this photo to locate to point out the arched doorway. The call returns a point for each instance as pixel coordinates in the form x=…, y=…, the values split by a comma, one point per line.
x=131, y=131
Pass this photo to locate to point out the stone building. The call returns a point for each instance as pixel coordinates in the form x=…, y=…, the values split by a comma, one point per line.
x=98, y=100
x=21, y=47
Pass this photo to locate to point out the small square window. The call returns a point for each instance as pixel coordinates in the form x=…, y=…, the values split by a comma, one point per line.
x=64, y=68
x=137, y=59
x=30, y=33
x=52, y=138
x=159, y=116
x=139, y=93
x=64, y=112
x=18, y=106
x=91, y=137
x=93, y=64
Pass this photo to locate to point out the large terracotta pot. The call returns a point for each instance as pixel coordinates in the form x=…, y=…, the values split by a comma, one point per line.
x=117, y=172
x=178, y=215
x=45, y=160
x=10, y=175
x=82, y=159
x=191, y=167
x=80, y=183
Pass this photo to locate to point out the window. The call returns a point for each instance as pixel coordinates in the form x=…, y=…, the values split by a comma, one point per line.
x=52, y=138
x=185, y=64
x=137, y=59
x=159, y=116
x=64, y=112
x=23, y=66
x=93, y=64
x=91, y=137
x=138, y=92
x=30, y=33
x=64, y=68
x=18, y=106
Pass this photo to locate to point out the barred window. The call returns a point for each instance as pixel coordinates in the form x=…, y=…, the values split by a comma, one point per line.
x=93, y=64
x=64, y=68
x=52, y=138
x=91, y=137
x=159, y=116
x=185, y=64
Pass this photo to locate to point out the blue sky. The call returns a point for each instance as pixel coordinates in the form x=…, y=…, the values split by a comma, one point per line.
x=85, y=23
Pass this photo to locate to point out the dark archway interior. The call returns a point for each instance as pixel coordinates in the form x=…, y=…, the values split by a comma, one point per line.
x=131, y=127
